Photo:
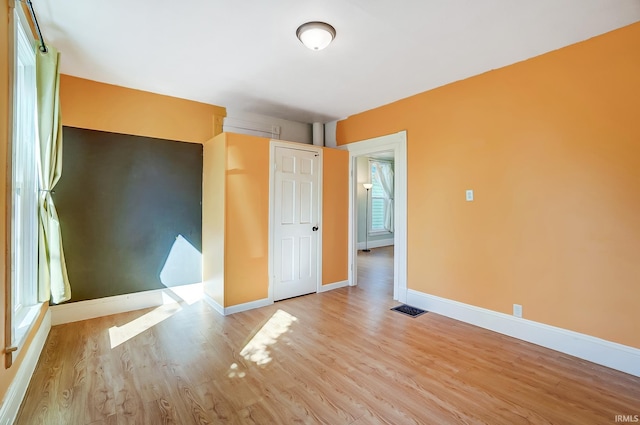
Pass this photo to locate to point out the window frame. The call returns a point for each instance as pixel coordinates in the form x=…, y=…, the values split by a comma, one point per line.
x=370, y=229
x=23, y=220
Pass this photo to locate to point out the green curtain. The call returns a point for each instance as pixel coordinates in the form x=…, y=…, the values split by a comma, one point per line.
x=53, y=282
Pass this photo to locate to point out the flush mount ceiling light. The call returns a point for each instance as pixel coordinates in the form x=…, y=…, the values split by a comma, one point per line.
x=316, y=35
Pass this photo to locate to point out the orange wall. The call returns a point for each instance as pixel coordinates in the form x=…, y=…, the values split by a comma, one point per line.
x=551, y=148
x=247, y=219
x=335, y=216
x=236, y=242
x=98, y=106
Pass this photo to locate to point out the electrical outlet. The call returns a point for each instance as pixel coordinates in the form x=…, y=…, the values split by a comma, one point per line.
x=469, y=195
x=517, y=310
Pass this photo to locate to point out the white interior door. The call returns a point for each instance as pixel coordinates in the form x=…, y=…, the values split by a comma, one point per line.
x=296, y=222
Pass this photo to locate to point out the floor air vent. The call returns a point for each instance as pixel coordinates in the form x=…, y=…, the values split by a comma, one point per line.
x=408, y=310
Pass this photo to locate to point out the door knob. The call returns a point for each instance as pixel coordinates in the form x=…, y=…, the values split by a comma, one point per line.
x=314, y=228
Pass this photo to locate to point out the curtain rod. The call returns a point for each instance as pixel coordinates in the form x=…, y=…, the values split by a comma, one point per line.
x=43, y=46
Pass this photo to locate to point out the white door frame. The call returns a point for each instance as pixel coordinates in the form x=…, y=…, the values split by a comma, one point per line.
x=397, y=143
x=272, y=181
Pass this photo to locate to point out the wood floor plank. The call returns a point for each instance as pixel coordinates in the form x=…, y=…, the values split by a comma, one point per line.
x=340, y=357
x=110, y=420
x=217, y=404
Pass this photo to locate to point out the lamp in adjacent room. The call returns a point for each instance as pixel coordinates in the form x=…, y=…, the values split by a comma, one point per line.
x=316, y=35
x=366, y=219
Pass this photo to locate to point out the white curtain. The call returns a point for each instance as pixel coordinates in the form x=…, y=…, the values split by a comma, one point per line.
x=384, y=175
x=53, y=282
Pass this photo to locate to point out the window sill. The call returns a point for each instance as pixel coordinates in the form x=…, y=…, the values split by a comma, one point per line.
x=380, y=233
x=24, y=325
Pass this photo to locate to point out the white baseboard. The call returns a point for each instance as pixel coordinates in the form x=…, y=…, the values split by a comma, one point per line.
x=596, y=350
x=90, y=309
x=214, y=305
x=225, y=311
x=332, y=286
x=247, y=306
x=18, y=388
x=376, y=244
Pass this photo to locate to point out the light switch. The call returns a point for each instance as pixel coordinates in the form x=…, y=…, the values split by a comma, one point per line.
x=469, y=195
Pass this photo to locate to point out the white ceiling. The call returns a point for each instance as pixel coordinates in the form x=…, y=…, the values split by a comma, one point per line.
x=243, y=54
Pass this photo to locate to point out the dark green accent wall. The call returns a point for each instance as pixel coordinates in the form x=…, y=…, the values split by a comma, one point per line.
x=122, y=202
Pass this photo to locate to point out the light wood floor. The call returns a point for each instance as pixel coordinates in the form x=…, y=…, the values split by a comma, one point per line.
x=340, y=357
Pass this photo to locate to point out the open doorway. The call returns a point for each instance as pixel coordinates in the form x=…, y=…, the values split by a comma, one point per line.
x=374, y=211
x=365, y=152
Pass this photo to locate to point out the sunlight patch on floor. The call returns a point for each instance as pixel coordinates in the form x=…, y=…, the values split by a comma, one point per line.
x=235, y=372
x=173, y=299
x=256, y=350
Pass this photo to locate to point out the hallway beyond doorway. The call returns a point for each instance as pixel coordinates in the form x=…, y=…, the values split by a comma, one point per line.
x=375, y=272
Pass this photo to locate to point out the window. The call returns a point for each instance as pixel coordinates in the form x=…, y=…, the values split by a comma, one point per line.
x=24, y=214
x=380, y=199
